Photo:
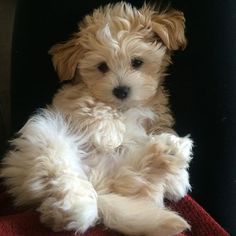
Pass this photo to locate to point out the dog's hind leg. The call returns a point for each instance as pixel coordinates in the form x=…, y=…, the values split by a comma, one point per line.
x=44, y=168
x=134, y=216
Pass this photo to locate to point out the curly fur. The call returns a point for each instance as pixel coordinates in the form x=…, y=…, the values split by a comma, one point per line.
x=92, y=157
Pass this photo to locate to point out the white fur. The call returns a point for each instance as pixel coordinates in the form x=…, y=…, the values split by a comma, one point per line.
x=177, y=185
x=50, y=144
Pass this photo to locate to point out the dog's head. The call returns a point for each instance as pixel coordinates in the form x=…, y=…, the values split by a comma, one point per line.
x=121, y=52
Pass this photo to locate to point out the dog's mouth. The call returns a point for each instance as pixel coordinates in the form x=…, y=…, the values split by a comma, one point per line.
x=127, y=103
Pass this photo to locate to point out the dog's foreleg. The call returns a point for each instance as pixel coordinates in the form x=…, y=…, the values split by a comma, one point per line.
x=102, y=123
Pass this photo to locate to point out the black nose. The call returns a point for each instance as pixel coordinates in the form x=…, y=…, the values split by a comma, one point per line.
x=121, y=92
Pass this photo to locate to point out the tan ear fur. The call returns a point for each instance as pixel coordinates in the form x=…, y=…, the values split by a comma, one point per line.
x=65, y=58
x=169, y=26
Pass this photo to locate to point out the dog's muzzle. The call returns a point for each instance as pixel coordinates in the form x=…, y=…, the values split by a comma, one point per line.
x=121, y=92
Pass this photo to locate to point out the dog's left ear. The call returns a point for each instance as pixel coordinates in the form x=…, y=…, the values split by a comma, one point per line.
x=65, y=58
x=169, y=27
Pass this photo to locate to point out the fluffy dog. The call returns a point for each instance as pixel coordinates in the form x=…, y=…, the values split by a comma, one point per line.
x=105, y=151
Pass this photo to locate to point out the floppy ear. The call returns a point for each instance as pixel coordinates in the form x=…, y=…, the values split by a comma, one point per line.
x=65, y=58
x=169, y=27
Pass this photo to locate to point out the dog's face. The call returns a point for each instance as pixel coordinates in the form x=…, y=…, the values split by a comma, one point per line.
x=121, y=52
x=121, y=67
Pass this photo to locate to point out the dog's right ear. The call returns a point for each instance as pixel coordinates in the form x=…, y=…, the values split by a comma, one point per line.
x=65, y=58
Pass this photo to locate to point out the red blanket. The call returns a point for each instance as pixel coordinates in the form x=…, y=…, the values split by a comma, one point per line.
x=16, y=222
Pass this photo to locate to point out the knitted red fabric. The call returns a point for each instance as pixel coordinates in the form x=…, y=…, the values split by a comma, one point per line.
x=26, y=222
x=202, y=224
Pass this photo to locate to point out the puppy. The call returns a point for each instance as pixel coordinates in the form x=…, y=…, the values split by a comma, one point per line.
x=104, y=150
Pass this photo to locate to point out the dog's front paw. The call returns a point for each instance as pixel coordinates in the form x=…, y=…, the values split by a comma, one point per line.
x=108, y=134
x=108, y=128
x=103, y=124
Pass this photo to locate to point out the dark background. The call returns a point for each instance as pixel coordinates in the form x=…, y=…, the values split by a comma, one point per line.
x=202, y=85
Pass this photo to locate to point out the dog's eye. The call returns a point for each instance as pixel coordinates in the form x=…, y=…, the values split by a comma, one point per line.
x=136, y=63
x=103, y=67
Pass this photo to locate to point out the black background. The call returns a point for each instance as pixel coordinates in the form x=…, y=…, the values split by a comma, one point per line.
x=202, y=84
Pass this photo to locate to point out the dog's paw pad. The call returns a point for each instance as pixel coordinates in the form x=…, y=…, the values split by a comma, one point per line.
x=175, y=146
